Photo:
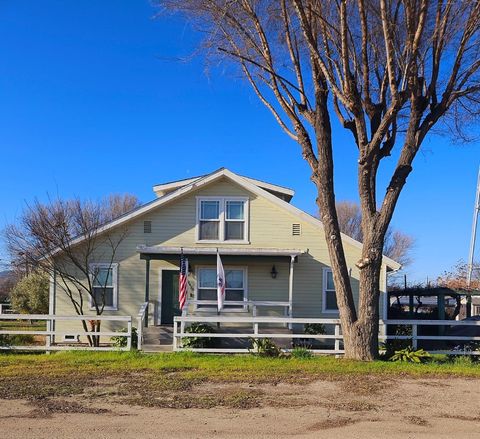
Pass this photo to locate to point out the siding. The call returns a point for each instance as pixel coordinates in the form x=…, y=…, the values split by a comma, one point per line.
x=270, y=227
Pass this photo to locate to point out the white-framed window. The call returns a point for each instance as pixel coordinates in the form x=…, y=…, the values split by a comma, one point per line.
x=222, y=219
x=235, y=287
x=329, y=298
x=104, y=278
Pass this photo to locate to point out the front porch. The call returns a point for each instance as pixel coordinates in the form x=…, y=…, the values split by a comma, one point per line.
x=261, y=285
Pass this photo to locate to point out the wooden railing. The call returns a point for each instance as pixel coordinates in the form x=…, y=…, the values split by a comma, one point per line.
x=50, y=333
x=335, y=333
x=141, y=323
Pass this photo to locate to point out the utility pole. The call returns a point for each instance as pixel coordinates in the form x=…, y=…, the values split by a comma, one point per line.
x=471, y=256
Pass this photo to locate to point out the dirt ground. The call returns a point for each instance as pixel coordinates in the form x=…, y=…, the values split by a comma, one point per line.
x=350, y=408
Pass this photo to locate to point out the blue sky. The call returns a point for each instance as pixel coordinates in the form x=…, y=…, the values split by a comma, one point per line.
x=92, y=102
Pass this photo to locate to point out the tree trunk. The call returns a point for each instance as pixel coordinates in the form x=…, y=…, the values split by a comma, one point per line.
x=361, y=342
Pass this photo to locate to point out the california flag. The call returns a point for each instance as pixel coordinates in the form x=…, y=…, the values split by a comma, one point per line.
x=220, y=282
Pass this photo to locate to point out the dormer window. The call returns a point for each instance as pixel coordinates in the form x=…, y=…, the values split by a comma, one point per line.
x=222, y=219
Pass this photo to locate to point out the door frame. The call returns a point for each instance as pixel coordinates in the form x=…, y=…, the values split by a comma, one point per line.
x=158, y=320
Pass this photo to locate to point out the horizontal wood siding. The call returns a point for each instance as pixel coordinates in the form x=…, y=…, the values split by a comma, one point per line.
x=270, y=227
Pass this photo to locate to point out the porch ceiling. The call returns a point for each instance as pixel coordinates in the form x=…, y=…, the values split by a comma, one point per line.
x=167, y=250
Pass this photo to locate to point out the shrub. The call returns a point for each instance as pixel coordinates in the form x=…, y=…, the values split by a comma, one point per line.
x=314, y=328
x=16, y=340
x=30, y=294
x=121, y=342
x=394, y=345
x=264, y=347
x=198, y=342
x=302, y=353
x=408, y=355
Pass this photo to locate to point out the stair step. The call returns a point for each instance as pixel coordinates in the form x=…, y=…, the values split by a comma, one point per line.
x=157, y=348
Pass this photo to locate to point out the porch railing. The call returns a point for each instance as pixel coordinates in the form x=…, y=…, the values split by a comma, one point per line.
x=335, y=333
x=51, y=333
x=141, y=323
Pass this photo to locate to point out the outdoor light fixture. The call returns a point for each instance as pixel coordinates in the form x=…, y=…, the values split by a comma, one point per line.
x=274, y=272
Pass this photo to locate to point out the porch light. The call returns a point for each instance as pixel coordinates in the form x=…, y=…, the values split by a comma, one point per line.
x=274, y=272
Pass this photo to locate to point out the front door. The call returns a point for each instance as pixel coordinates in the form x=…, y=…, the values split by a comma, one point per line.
x=170, y=306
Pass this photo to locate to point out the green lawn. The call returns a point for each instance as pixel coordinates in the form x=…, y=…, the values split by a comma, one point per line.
x=222, y=367
x=23, y=325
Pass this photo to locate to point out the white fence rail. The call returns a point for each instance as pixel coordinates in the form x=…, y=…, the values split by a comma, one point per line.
x=252, y=327
x=50, y=333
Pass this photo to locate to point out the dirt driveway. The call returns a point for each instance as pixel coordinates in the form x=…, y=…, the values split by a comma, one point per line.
x=351, y=408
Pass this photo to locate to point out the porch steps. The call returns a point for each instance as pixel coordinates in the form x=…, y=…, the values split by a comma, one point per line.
x=158, y=339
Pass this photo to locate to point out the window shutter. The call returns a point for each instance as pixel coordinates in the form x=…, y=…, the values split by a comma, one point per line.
x=147, y=227
x=296, y=229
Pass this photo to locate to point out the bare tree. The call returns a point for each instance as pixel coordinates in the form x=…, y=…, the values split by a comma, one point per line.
x=389, y=70
x=65, y=240
x=397, y=246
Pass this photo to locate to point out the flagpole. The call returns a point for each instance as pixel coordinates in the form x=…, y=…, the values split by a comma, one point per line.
x=218, y=311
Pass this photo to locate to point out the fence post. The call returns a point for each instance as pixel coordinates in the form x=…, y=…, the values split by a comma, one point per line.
x=139, y=332
x=174, y=334
x=129, y=336
x=337, y=334
x=414, y=336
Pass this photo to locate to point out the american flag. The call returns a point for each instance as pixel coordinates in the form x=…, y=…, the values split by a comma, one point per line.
x=182, y=281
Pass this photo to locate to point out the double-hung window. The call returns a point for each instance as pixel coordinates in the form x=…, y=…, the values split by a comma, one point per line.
x=104, y=284
x=329, y=298
x=235, y=287
x=222, y=219
x=209, y=220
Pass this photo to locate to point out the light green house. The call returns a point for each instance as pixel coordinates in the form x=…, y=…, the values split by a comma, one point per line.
x=271, y=251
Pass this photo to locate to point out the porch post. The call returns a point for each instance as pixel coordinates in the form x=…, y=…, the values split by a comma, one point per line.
x=290, y=287
x=147, y=287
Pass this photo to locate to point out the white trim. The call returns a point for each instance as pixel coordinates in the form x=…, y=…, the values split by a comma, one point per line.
x=226, y=302
x=242, y=181
x=222, y=220
x=227, y=251
x=163, y=188
x=114, y=267
x=325, y=271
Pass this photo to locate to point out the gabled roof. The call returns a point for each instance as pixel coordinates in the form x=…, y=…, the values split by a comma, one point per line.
x=241, y=181
x=282, y=192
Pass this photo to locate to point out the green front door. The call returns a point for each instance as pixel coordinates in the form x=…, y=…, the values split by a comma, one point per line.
x=169, y=296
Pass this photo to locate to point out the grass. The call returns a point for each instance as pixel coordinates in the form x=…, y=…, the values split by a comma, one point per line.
x=23, y=325
x=223, y=367
x=184, y=380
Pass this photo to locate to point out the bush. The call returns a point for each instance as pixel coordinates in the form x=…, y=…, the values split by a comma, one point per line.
x=30, y=294
x=198, y=342
x=264, y=347
x=16, y=340
x=394, y=345
x=121, y=342
x=408, y=355
x=314, y=328
x=302, y=353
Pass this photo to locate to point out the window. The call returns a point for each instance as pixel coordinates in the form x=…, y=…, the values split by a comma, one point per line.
x=209, y=220
x=222, y=219
x=329, y=298
x=235, y=287
x=104, y=282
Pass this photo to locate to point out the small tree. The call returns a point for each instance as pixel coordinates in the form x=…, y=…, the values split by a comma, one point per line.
x=30, y=294
x=65, y=239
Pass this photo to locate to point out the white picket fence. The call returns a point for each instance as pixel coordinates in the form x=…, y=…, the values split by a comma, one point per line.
x=263, y=327
x=52, y=334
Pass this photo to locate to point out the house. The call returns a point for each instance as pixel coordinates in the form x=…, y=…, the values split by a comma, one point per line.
x=275, y=255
